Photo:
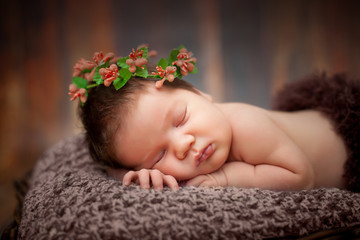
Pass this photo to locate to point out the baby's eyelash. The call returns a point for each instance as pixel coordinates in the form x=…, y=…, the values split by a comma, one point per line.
x=183, y=118
x=163, y=152
x=160, y=156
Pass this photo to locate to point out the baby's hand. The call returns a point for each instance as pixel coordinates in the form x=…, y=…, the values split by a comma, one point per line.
x=145, y=177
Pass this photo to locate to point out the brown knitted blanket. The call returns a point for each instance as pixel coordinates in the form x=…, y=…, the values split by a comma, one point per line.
x=71, y=197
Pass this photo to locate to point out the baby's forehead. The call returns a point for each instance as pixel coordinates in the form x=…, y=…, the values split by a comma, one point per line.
x=153, y=101
x=150, y=88
x=151, y=97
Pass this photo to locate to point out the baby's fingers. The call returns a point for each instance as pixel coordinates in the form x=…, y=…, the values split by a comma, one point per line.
x=171, y=182
x=157, y=179
x=128, y=177
x=144, y=178
x=141, y=176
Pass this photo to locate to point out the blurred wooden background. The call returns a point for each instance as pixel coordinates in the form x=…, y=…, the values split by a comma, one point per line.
x=246, y=50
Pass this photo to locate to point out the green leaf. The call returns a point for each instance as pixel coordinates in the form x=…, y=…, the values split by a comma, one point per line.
x=145, y=53
x=173, y=56
x=119, y=83
x=105, y=65
x=162, y=63
x=86, y=71
x=141, y=72
x=122, y=62
x=178, y=74
x=97, y=77
x=125, y=74
x=80, y=82
x=154, y=76
x=195, y=70
x=180, y=47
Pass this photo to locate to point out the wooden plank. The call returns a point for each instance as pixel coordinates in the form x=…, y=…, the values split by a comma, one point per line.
x=211, y=48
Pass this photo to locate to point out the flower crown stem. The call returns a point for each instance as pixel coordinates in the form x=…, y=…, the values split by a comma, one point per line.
x=92, y=85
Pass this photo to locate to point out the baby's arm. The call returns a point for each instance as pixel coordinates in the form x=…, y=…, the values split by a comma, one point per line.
x=242, y=174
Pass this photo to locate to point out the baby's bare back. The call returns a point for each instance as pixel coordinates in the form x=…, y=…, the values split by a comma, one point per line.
x=315, y=136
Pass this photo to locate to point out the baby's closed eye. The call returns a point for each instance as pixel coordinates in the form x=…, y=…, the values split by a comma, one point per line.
x=159, y=156
x=182, y=118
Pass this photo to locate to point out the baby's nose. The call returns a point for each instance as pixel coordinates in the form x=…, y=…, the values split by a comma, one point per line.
x=183, y=146
x=181, y=154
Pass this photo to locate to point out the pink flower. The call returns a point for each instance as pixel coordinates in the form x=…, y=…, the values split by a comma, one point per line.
x=185, y=61
x=82, y=64
x=151, y=53
x=100, y=59
x=135, y=55
x=109, y=74
x=165, y=74
x=75, y=93
x=136, y=60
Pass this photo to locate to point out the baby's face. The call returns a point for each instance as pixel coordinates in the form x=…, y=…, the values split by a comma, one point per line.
x=176, y=131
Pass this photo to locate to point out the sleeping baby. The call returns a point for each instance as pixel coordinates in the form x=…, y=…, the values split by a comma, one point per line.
x=156, y=129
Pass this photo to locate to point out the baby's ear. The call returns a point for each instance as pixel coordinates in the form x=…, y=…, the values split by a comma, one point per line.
x=207, y=96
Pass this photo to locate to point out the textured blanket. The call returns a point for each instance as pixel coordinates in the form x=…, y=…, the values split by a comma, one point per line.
x=71, y=197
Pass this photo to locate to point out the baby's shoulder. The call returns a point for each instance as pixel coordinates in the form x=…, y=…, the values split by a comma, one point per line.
x=244, y=114
x=255, y=135
x=248, y=121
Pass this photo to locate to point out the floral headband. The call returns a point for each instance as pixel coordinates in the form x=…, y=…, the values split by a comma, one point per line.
x=104, y=69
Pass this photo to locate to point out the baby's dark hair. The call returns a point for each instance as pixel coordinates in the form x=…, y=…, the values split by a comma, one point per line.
x=105, y=110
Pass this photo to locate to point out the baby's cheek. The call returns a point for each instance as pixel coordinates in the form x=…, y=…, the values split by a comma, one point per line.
x=181, y=173
x=219, y=158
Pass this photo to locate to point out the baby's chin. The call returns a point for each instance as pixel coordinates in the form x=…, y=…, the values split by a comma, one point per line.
x=219, y=159
x=209, y=167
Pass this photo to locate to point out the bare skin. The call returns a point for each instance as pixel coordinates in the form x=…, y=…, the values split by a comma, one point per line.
x=280, y=150
x=231, y=144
